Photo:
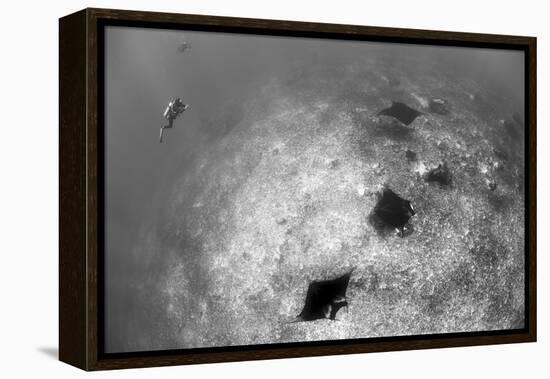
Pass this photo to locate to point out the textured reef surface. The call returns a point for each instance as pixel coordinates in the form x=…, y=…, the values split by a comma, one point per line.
x=285, y=196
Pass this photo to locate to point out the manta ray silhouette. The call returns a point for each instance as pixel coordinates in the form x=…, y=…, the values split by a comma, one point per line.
x=324, y=298
x=401, y=111
x=393, y=210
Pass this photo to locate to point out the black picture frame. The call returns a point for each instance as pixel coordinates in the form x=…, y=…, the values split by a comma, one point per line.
x=81, y=153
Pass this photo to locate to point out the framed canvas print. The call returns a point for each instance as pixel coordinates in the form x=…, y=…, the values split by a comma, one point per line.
x=237, y=189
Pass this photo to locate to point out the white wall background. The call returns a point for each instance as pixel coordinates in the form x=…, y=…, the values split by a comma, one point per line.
x=29, y=183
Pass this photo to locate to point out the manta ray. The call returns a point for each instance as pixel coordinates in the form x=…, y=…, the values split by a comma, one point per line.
x=324, y=298
x=401, y=111
x=393, y=211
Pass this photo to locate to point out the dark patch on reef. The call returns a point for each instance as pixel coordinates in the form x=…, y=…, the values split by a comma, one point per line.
x=393, y=130
x=501, y=154
x=440, y=175
x=334, y=164
x=411, y=156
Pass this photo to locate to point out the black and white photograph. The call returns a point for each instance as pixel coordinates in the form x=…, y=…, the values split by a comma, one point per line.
x=263, y=189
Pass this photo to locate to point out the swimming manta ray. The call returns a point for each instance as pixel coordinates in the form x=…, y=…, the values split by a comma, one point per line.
x=324, y=298
x=401, y=111
x=394, y=211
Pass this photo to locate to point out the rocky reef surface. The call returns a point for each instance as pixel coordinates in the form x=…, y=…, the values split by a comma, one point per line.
x=285, y=195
